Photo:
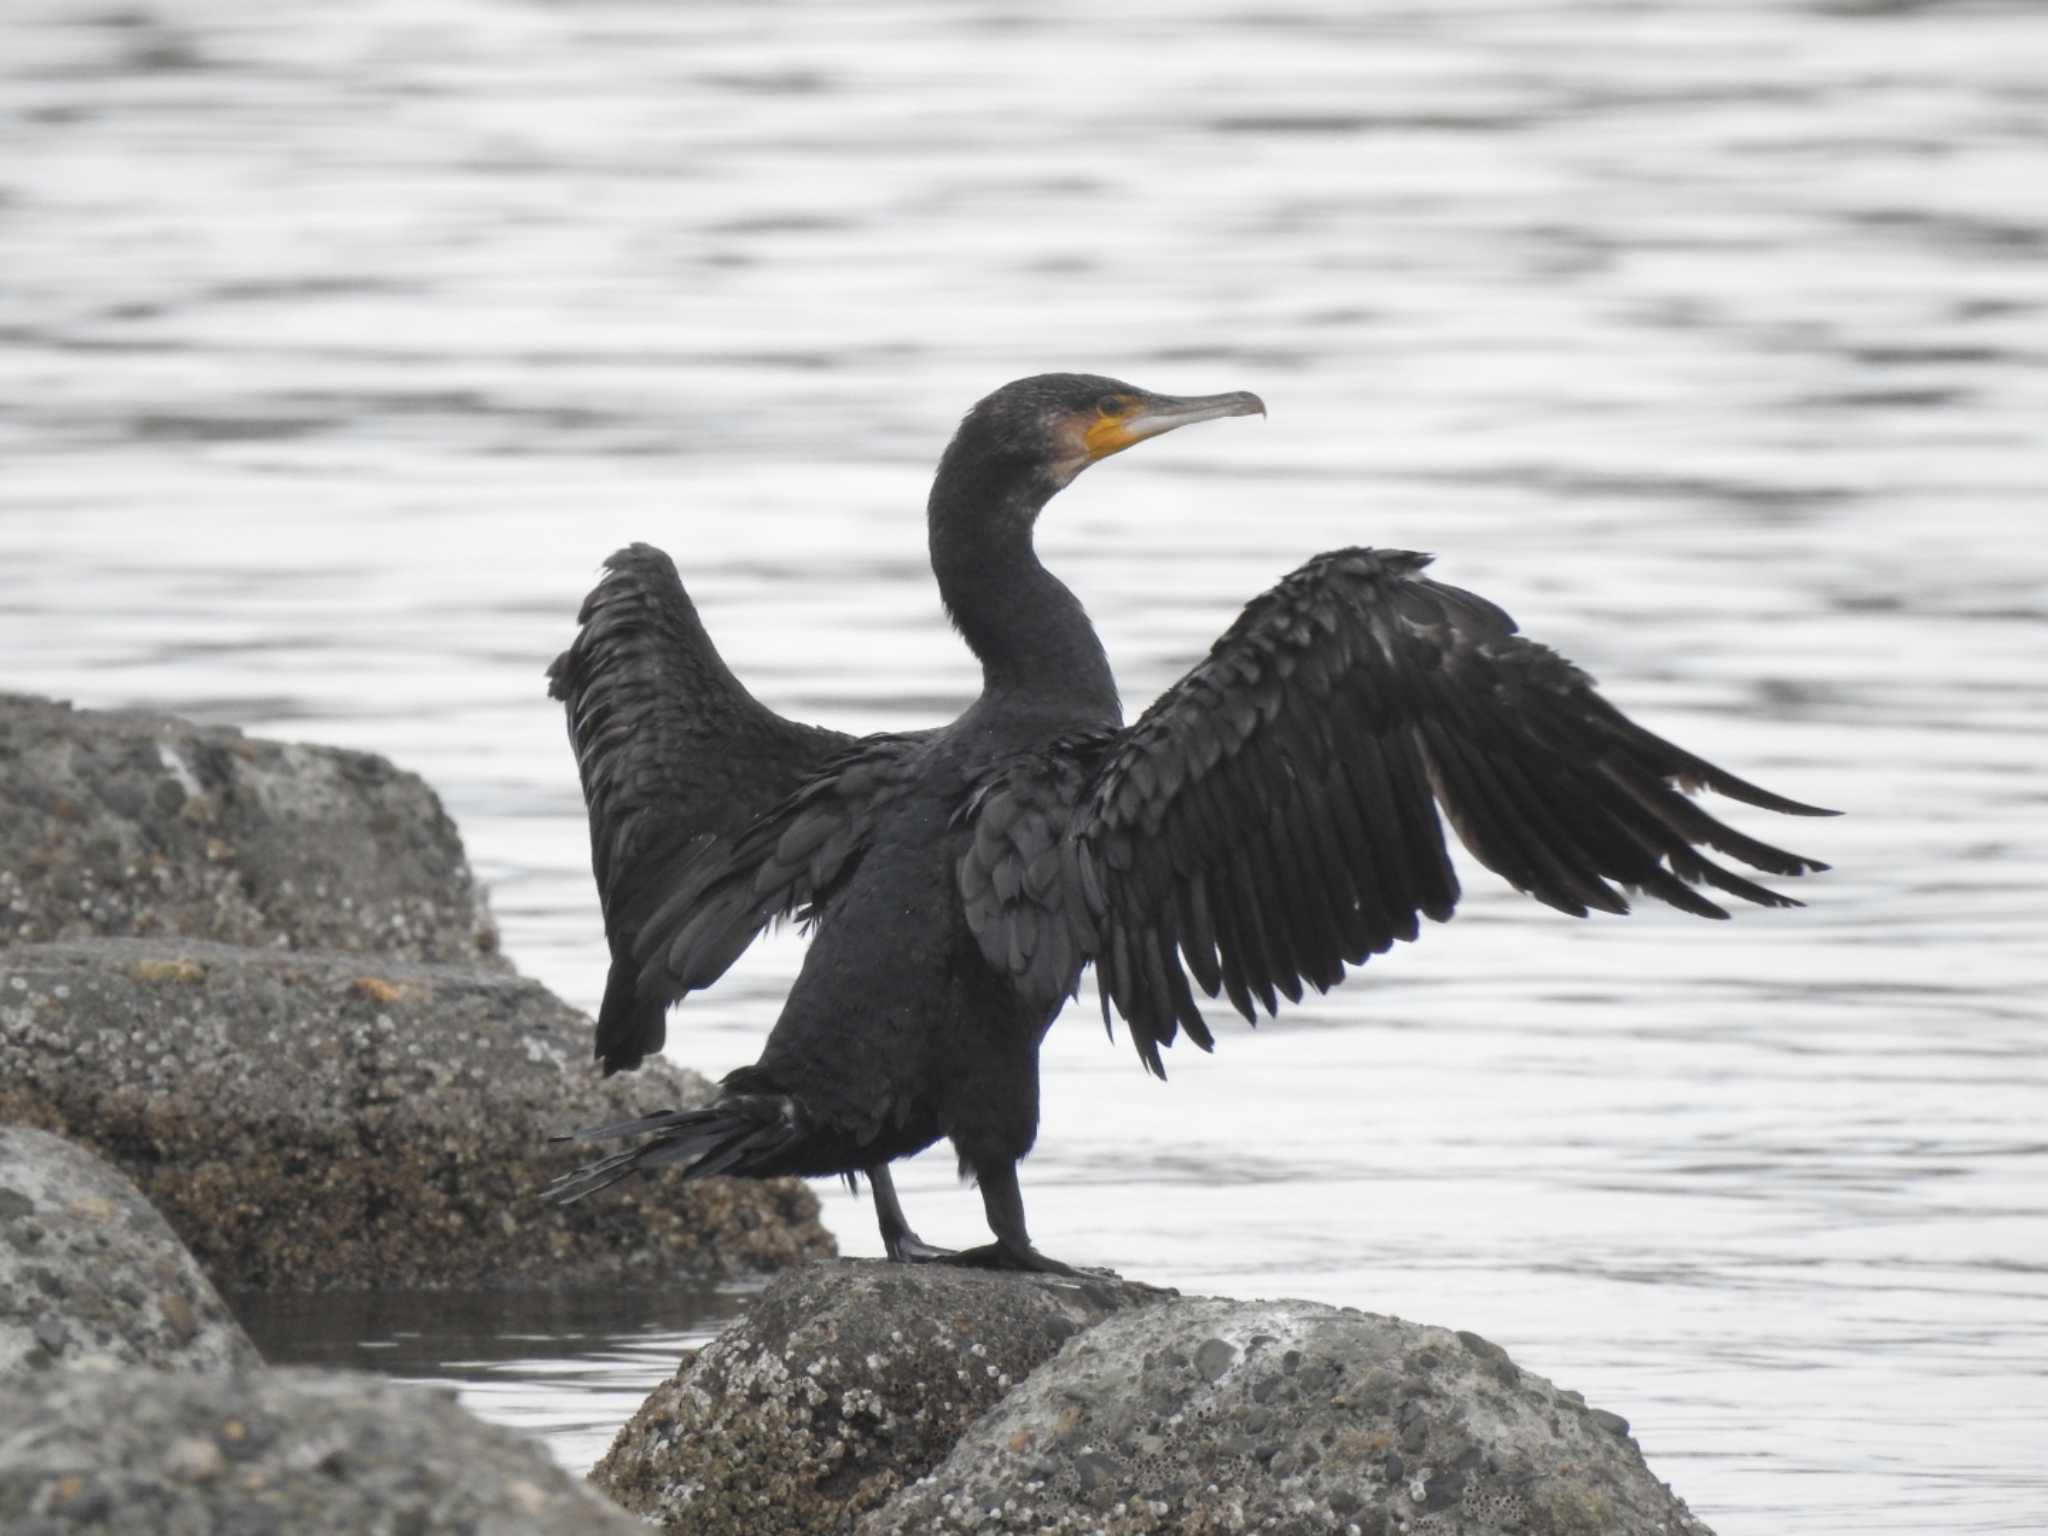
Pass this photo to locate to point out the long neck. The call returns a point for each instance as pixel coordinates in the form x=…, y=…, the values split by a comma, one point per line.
x=1030, y=633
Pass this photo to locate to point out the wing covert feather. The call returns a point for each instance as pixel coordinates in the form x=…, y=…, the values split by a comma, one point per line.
x=787, y=863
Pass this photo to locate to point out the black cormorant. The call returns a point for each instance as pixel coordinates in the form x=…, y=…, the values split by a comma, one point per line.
x=1271, y=819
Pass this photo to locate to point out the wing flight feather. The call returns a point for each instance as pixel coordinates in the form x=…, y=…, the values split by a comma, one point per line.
x=1273, y=817
x=676, y=758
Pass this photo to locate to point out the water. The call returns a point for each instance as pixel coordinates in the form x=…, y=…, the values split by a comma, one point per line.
x=567, y=1367
x=342, y=342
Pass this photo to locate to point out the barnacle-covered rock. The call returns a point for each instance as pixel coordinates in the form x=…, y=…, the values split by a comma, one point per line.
x=127, y=822
x=1205, y=1417
x=324, y=1122
x=843, y=1383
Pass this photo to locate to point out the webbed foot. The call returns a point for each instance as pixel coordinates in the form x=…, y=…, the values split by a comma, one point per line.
x=909, y=1248
x=901, y=1244
x=1019, y=1258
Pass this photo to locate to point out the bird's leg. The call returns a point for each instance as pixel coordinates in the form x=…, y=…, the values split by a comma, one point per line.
x=902, y=1245
x=1004, y=1203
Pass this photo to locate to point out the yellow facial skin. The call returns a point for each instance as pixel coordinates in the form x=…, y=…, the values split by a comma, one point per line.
x=1110, y=432
x=1121, y=420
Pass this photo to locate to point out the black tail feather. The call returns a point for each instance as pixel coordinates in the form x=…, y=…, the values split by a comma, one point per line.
x=755, y=1136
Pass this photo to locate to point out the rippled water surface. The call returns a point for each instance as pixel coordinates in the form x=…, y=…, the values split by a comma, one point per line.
x=338, y=344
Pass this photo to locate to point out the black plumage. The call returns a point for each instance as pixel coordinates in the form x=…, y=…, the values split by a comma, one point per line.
x=1271, y=820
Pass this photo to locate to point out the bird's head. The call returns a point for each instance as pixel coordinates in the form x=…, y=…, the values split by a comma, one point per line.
x=1030, y=438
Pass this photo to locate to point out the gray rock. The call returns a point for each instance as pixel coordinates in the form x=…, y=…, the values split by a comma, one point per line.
x=269, y=1452
x=116, y=823
x=91, y=1277
x=1323, y=1420
x=843, y=1383
x=319, y=1122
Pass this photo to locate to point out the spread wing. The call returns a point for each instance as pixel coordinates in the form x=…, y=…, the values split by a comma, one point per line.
x=788, y=863
x=675, y=757
x=1272, y=818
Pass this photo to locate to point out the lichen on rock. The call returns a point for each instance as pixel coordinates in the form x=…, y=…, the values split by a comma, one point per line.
x=307, y=1453
x=91, y=1278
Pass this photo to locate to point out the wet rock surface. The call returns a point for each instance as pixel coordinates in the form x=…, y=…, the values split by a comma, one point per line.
x=842, y=1384
x=314, y=1122
x=1203, y=1417
x=92, y=1278
x=120, y=823
x=248, y=1455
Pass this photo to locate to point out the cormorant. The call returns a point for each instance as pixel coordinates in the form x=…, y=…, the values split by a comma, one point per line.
x=1271, y=819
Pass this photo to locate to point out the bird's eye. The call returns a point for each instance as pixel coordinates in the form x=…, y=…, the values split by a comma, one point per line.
x=1112, y=405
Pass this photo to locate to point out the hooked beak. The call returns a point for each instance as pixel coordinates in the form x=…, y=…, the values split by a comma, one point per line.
x=1149, y=415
